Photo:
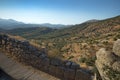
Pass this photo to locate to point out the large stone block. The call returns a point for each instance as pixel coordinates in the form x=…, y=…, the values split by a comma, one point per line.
x=68, y=64
x=44, y=68
x=81, y=75
x=42, y=56
x=25, y=43
x=55, y=62
x=52, y=70
x=60, y=72
x=75, y=66
x=69, y=74
x=45, y=65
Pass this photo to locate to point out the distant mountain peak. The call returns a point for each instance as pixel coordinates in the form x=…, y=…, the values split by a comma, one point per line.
x=52, y=25
x=10, y=21
x=92, y=20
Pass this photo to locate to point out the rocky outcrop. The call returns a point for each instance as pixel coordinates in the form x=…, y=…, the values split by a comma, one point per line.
x=116, y=47
x=25, y=53
x=108, y=63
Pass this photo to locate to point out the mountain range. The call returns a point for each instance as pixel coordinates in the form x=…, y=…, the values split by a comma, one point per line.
x=86, y=29
x=11, y=24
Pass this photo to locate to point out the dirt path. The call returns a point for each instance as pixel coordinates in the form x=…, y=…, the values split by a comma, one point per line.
x=20, y=72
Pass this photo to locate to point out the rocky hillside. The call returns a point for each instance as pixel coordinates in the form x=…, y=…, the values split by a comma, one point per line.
x=31, y=32
x=86, y=29
x=77, y=43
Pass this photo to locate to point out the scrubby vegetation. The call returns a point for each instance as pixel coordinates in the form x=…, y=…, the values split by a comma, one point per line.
x=112, y=74
x=78, y=43
x=89, y=61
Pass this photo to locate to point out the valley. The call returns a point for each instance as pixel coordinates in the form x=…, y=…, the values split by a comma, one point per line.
x=77, y=43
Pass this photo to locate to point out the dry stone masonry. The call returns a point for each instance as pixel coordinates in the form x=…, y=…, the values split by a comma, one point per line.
x=29, y=55
x=108, y=63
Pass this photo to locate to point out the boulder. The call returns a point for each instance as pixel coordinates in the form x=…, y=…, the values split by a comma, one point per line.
x=116, y=66
x=60, y=72
x=116, y=47
x=46, y=61
x=42, y=56
x=55, y=62
x=69, y=74
x=45, y=65
x=105, y=57
x=75, y=66
x=52, y=70
x=81, y=75
x=68, y=64
x=25, y=43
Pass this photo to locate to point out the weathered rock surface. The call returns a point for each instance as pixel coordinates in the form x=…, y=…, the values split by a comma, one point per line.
x=81, y=75
x=116, y=47
x=108, y=63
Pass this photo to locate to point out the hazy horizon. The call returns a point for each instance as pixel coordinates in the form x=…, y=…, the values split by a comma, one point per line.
x=58, y=11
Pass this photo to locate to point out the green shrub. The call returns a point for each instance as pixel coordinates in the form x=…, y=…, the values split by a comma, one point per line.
x=112, y=74
x=82, y=60
x=89, y=61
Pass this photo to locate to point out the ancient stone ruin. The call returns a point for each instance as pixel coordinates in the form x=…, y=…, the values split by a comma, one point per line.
x=108, y=63
x=24, y=52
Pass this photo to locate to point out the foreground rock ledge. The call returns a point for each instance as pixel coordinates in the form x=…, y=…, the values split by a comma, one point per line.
x=108, y=63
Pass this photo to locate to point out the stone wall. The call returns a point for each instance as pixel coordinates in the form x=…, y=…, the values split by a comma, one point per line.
x=108, y=63
x=23, y=52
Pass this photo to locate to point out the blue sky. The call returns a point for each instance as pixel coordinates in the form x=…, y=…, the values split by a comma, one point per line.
x=58, y=11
